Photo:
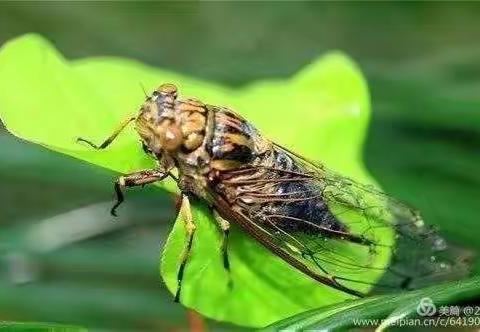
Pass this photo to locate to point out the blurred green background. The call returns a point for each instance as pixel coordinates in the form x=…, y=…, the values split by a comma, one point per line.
x=421, y=62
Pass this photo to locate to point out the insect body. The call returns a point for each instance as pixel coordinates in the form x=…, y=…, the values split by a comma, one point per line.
x=326, y=225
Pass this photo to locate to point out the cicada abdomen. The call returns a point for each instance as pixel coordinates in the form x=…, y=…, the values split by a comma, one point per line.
x=335, y=230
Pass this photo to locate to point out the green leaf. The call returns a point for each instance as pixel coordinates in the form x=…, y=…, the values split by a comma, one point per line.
x=321, y=112
x=386, y=311
x=38, y=327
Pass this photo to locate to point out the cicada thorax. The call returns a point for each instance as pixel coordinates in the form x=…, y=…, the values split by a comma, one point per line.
x=189, y=129
x=174, y=128
x=199, y=139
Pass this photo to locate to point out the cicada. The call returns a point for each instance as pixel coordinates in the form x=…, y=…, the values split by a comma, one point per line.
x=326, y=225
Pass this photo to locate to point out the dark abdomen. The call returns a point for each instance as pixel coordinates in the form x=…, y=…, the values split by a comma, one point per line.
x=279, y=194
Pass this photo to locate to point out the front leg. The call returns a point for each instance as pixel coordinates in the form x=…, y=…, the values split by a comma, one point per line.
x=140, y=178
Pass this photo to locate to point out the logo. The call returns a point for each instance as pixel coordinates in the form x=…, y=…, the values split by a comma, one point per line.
x=426, y=307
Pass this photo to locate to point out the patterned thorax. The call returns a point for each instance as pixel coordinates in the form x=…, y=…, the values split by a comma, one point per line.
x=193, y=134
x=166, y=124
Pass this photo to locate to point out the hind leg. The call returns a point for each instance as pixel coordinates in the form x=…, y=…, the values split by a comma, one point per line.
x=225, y=227
x=190, y=228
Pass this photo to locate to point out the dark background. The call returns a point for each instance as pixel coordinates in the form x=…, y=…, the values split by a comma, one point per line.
x=422, y=64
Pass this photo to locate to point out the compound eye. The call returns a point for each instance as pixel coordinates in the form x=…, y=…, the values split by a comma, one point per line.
x=173, y=138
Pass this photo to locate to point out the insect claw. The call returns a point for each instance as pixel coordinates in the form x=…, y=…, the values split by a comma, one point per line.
x=93, y=145
x=119, y=184
x=177, y=296
x=113, y=211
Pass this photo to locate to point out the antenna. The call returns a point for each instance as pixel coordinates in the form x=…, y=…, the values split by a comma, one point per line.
x=144, y=91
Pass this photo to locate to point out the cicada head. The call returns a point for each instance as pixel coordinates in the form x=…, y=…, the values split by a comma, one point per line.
x=157, y=122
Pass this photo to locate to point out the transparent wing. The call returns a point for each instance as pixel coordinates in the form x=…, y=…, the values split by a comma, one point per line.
x=342, y=233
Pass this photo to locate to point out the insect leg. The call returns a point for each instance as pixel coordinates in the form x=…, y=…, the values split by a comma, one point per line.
x=190, y=228
x=111, y=138
x=135, y=179
x=225, y=227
